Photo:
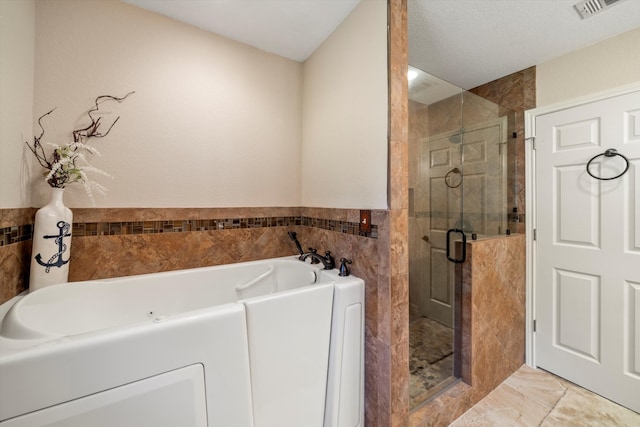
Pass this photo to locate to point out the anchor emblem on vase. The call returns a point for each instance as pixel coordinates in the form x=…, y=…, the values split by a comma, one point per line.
x=56, y=260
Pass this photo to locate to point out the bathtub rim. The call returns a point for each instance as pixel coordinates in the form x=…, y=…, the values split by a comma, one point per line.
x=18, y=329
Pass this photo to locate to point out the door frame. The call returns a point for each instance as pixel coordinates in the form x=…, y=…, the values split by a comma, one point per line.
x=530, y=198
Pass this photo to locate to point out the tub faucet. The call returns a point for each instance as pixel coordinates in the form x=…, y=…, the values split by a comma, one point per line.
x=313, y=260
x=326, y=260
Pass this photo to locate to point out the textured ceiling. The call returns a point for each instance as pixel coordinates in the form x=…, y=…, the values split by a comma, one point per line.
x=472, y=42
x=289, y=28
x=465, y=42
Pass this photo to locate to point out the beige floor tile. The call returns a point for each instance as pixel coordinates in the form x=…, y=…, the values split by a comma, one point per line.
x=580, y=407
x=524, y=399
x=488, y=417
x=537, y=385
x=533, y=397
x=526, y=411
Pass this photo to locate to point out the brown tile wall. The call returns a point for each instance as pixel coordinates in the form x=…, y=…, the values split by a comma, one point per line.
x=370, y=262
x=117, y=242
x=393, y=289
x=492, y=322
x=15, y=250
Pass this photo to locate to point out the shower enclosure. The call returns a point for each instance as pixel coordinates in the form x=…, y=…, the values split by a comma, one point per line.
x=458, y=190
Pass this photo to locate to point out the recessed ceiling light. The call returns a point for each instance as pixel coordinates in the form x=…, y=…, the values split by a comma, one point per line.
x=412, y=74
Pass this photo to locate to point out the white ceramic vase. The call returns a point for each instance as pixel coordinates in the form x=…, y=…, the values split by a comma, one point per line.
x=51, y=243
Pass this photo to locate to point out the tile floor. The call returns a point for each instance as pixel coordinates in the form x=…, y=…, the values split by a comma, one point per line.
x=533, y=397
x=430, y=358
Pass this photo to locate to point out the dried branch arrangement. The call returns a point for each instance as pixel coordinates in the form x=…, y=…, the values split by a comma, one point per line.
x=67, y=163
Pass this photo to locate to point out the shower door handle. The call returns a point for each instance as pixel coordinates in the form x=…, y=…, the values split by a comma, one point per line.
x=463, y=258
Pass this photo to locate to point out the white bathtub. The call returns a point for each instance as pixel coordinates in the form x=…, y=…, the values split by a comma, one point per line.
x=267, y=343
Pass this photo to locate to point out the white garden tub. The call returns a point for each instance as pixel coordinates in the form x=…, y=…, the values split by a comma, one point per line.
x=267, y=343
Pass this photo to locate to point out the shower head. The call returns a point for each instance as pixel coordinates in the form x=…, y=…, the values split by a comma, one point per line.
x=456, y=138
x=294, y=237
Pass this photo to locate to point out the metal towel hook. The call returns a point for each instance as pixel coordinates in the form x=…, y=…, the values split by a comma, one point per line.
x=611, y=152
x=448, y=176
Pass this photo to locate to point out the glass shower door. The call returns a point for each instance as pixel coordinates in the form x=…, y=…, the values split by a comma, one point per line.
x=435, y=207
x=457, y=190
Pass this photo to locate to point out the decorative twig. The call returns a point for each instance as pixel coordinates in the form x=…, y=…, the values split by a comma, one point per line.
x=37, y=148
x=91, y=131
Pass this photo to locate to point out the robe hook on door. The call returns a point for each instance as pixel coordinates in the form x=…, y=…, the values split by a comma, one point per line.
x=611, y=152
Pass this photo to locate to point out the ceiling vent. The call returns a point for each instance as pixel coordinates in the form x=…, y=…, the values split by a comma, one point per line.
x=587, y=8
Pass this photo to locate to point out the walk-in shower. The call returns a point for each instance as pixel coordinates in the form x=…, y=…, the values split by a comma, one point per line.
x=459, y=168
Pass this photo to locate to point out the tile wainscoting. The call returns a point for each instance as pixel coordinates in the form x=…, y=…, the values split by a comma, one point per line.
x=15, y=250
x=117, y=242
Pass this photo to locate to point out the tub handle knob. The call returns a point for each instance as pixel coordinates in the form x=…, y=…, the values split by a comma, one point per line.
x=331, y=262
x=344, y=270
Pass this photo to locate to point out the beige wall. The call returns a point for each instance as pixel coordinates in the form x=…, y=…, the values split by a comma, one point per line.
x=611, y=63
x=345, y=114
x=16, y=98
x=212, y=123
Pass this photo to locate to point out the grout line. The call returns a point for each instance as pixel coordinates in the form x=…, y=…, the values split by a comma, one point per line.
x=554, y=407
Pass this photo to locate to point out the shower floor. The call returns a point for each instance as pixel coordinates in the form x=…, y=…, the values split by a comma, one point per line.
x=430, y=358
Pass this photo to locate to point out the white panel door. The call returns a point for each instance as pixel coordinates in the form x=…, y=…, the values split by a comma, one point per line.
x=587, y=277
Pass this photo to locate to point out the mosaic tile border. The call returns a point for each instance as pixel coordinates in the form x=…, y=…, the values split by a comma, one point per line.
x=473, y=216
x=340, y=226
x=15, y=234
x=178, y=226
x=10, y=235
